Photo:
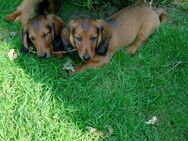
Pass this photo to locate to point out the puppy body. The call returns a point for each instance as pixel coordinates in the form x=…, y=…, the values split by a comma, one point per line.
x=39, y=26
x=131, y=26
x=30, y=8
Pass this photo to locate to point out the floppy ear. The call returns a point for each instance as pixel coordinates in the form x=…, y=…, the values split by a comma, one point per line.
x=65, y=35
x=103, y=38
x=56, y=40
x=25, y=39
x=71, y=29
x=72, y=25
x=56, y=25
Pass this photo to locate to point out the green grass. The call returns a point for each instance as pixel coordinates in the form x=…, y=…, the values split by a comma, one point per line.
x=40, y=101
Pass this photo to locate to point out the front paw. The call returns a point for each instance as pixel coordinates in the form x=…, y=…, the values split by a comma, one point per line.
x=10, y=18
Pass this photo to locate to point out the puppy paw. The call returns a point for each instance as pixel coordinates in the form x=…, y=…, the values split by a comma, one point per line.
x=132, y=50
x=17, y=19
x=10, y=18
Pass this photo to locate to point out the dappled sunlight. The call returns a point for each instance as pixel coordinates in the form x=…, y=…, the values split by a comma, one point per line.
x=41, y=101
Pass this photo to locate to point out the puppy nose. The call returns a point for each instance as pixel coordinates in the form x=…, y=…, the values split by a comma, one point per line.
x=44, y=56
x=86, y=57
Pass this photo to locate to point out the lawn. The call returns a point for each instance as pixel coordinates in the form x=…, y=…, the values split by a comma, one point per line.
x=39, y=101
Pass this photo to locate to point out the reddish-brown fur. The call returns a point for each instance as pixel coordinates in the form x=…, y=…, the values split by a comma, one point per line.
x=29, y=8
x=39, y=30
x=98, y=40
x=39, y=26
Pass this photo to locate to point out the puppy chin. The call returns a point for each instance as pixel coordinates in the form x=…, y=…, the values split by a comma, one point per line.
x=48, y=55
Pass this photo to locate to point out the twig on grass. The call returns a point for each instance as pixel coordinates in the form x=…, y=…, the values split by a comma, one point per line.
x=177, y=64
x=155, y=66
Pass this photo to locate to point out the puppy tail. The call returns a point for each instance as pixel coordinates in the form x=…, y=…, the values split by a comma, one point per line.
x=162, y=14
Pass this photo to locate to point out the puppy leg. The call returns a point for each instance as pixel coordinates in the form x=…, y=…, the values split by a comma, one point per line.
x=146, y=30
x=14, y=16
x=96, y=63
x=136, y=44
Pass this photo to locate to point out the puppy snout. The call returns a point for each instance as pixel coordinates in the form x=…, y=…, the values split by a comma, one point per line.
x=43, y=55
x=86, y=57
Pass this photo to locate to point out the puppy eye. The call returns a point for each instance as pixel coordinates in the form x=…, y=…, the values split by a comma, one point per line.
x=94, y=39
x=46, y=35
x=78, y=39
x=32, y=38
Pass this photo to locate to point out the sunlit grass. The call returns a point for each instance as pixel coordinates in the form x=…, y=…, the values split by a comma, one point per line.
x=40, y=101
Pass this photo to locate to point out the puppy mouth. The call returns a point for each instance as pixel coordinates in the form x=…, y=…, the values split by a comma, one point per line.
x=44, y=56
x=85, y=60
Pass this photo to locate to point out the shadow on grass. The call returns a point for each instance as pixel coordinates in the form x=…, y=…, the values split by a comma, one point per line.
x=94, y=98
x=118, y=95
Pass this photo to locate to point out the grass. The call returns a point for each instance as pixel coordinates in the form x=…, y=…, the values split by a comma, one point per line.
x=39, y=101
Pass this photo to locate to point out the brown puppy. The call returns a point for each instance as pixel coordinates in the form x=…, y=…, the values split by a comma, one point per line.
x=98, y=40
x=38, y=27
x=44, y=33
x=30, y=8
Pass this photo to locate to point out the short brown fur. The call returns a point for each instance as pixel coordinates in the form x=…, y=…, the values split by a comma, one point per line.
x=40, y=31
x=98, y=40
x=29, y=8
x=39, y=25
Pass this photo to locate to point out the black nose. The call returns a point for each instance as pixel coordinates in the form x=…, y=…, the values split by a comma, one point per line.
x=86, y=57
x=44, y=56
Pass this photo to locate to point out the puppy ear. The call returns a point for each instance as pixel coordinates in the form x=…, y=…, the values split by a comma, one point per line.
x=25, y=39
x=56, y=25
x=72, y=25
x=71, y=29
x=103, y=38
x=65, y=35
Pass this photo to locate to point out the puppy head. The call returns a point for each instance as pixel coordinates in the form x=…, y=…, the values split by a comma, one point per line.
x=42, y=31
x=89, y=37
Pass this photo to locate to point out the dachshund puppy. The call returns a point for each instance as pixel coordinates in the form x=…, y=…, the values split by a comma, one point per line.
x=31, y=8
x=39, y=26
x=44, y=33
x=97, y=40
